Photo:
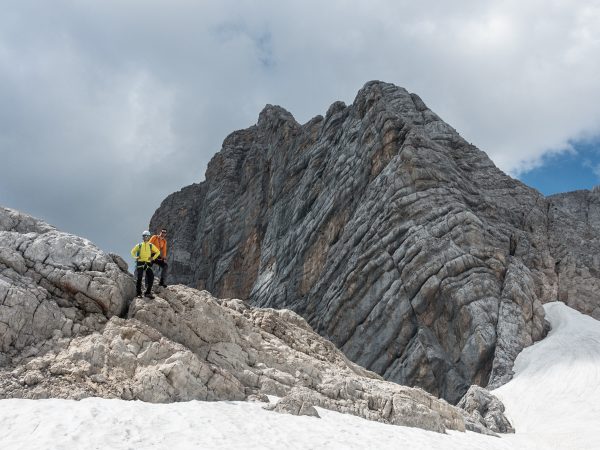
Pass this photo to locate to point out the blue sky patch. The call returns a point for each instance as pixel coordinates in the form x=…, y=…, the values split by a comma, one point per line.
x=567, y=171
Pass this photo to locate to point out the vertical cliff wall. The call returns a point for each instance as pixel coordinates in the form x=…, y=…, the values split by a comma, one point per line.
x=393, y=236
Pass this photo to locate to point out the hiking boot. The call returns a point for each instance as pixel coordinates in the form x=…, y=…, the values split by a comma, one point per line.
x=162, y=284
x=148, y=295
x=139, y=295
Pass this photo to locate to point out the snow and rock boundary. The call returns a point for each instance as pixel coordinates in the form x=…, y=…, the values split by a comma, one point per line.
x=65, y=336
x=551, y=401
x=186, y=345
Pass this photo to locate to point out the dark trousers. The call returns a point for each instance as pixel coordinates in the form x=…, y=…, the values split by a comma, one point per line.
x=164, y=267
x=141, y=268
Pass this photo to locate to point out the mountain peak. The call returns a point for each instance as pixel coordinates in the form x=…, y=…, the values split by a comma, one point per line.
x=274, y=115
x=386, y=230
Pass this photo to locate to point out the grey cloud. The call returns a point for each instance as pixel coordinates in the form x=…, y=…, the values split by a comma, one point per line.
x=107, y=107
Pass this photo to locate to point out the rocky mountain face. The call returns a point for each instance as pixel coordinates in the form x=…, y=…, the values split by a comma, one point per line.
x=390, y=234
x=574, y=228
x=69, y=329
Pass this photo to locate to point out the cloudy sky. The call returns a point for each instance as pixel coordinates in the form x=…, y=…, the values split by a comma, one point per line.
x=108, y=106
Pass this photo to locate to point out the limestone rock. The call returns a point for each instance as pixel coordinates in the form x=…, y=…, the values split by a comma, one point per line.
x=263, y=398
x=53, y=284
x=574, y=235
x=276, y=352
x=390, y=234
x=182, y=345
x=186, y=345
x=484, y=411
x=295, y=404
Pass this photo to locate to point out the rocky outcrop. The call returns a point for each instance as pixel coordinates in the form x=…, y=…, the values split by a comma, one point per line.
x=63, y=338
x=297, y=403
x=484, y=412
x=394, y=237
x=53, y=285
x=187, y=345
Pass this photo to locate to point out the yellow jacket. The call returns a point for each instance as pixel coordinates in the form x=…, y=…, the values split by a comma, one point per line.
x=161, y=243
x=145, y=252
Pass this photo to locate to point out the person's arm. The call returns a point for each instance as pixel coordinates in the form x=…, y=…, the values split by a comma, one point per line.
x=134, y=252
x=156, y=253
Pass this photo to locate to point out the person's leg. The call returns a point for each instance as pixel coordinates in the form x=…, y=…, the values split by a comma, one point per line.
x=138, y=286
x=164, y=267
x=149, y=280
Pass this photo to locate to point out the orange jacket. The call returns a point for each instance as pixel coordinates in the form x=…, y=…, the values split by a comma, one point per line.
x=161, y=243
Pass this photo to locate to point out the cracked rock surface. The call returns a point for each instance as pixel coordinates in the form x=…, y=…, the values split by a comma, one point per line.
x=70, y=331
x=187, y=345
x=484, y=412
x=574, y=235
x=53, y=284
x=391, y=235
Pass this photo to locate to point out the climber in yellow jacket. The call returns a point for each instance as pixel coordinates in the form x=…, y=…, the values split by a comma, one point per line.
x=145, y=253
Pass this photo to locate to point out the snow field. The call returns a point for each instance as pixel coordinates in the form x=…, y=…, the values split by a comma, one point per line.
x=553, y=402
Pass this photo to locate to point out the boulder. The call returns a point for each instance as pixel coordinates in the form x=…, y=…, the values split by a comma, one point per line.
x=295, y=403
x=484, y=411
x=53, y=284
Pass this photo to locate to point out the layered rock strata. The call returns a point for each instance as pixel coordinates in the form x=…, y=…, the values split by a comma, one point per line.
x=484, y=412
x=574, y=234
x=53, y=284
x=394, y=237
x=62, y=337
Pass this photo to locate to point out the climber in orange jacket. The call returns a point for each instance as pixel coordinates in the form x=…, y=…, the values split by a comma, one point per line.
x=145, y=254
x=160, y=241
